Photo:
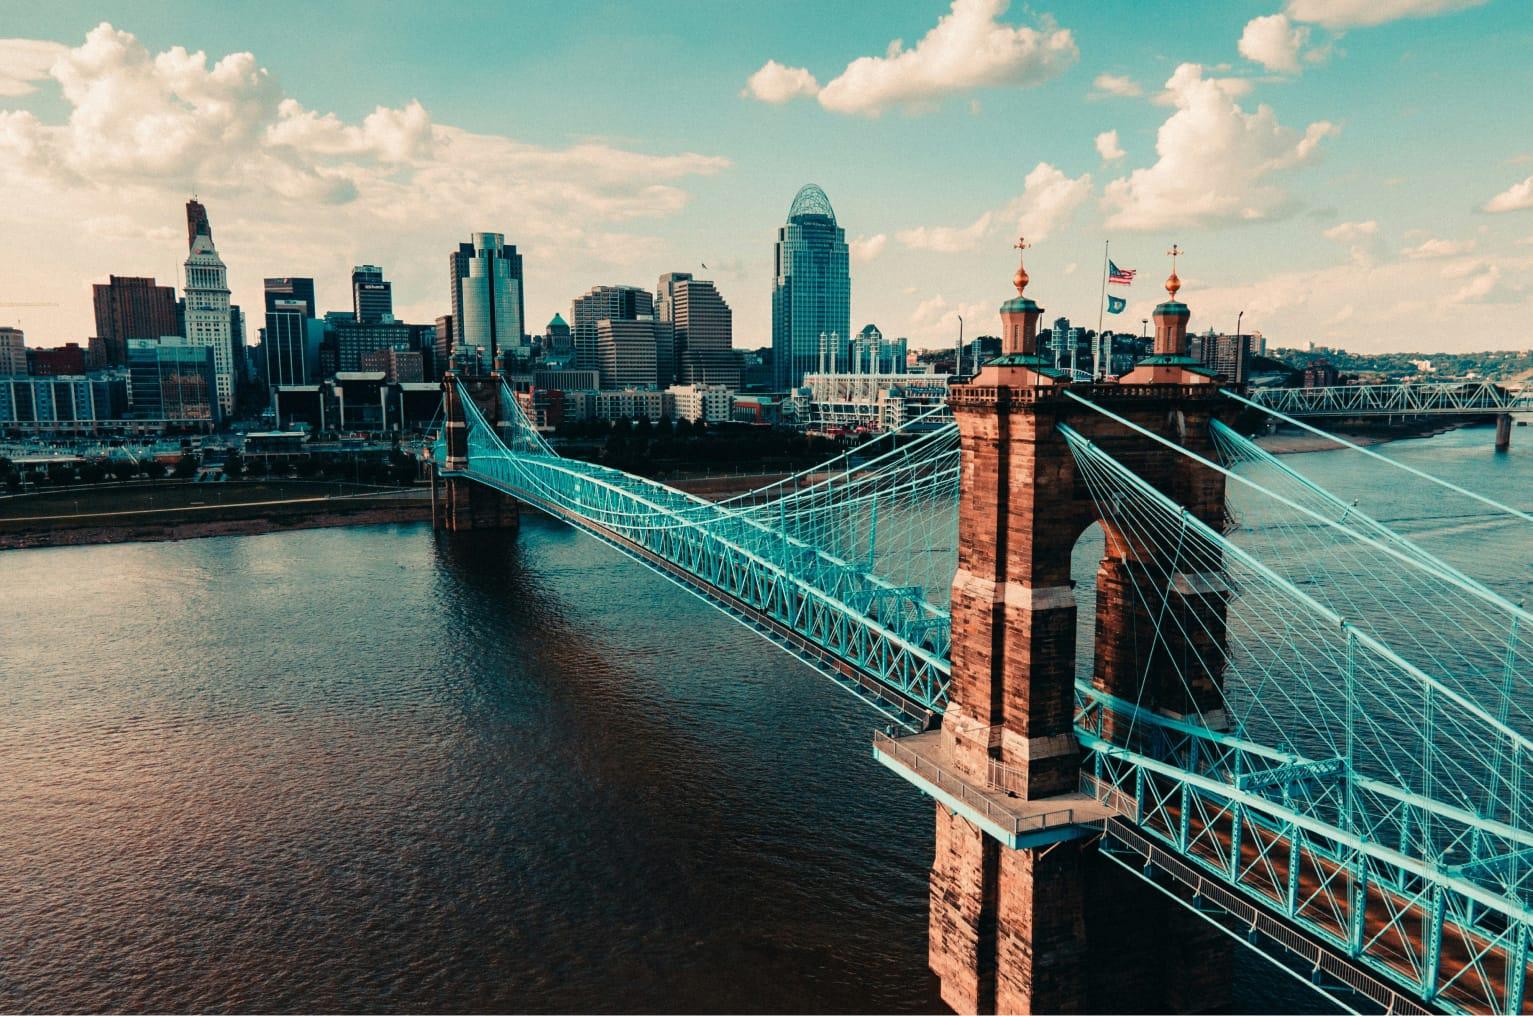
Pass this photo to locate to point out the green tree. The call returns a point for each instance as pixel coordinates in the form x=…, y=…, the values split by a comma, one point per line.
x=234, y=465
x=186, y=467
x=402, y=467
x=154, y=469
x=123, y=469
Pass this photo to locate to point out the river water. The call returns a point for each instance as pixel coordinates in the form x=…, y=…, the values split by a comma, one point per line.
x=378, y=769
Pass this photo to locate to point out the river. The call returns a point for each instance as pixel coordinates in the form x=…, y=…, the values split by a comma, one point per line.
x=378, y=769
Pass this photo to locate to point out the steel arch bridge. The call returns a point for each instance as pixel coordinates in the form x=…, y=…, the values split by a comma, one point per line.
x=1477, y=398
x=1362, y=800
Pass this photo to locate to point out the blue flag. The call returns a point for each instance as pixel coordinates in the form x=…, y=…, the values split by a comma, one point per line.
x=1115, y=304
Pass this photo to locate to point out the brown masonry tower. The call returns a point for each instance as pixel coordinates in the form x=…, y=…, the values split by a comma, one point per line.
x=458, y=503
x=1038, y=922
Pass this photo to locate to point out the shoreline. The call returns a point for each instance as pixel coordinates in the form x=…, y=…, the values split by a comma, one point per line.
x=1292, y=441
x=244, y=519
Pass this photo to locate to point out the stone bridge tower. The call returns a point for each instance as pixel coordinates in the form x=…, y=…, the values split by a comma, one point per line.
x=1053, y=927
x=458, y=503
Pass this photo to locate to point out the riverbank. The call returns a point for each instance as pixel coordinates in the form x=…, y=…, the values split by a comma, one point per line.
x=230, y=517
x=1292, y=441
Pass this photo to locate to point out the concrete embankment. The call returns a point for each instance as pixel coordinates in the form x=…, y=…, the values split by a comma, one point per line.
x=233, y=518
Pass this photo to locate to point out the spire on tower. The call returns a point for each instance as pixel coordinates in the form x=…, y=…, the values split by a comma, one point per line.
x=1173, y=283
x=1020, y=279
x=196, y=223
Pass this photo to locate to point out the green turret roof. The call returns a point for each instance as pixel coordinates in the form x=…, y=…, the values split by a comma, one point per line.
x=1187, y=363
x=558, y=321
x=1037, y=364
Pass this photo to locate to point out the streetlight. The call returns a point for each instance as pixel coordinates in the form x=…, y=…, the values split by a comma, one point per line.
x=958, y=353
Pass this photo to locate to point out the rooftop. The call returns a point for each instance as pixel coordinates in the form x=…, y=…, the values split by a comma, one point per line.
x=811, y=202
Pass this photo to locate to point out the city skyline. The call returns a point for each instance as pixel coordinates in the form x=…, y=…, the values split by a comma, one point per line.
x=1249, y=132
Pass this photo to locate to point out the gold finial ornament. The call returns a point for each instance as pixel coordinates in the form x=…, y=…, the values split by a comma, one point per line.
x=1020, y=279
x=1174, y=283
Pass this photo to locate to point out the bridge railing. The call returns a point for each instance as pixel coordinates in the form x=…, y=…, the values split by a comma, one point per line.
x=761, y=572
x=1251, y=920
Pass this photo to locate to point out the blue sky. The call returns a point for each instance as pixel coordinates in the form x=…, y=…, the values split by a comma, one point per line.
x=1346, y=171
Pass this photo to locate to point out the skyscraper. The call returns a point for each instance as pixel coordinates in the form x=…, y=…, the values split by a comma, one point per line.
x=812, y=289
x=629, y=352
x=287, y=334
x=207, y=302
x=372, y=299
x=131, y=307
x=605, y=303
x=704, y=329
x=488, y=308
x=291, y=288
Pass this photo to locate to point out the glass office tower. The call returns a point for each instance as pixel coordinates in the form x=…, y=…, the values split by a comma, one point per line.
x=812, y=290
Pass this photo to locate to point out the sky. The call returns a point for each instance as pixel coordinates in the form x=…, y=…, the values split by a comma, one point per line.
x=1354, y=173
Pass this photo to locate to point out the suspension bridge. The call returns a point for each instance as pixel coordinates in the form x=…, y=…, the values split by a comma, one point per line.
x=1293, y=728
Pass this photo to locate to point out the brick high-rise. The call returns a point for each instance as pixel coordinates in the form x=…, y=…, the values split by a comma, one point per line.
x=132, y=307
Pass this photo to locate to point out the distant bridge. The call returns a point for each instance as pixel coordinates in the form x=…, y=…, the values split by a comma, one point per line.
x=1474, y=398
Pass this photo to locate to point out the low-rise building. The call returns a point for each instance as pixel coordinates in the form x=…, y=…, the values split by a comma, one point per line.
x=699, y=402
x=174, y=380
x=81, y=404
x=871, y=402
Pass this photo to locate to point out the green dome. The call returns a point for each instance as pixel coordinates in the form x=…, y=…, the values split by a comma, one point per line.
x=1171, y=308
x=1018, y=304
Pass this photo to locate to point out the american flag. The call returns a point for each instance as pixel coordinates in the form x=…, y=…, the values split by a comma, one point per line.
x=1123, y=276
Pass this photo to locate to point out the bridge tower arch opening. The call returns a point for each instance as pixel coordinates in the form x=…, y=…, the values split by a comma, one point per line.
x=1035, y=921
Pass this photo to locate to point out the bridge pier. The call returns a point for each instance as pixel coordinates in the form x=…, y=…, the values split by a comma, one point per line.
x=1030, y=917
x=1504, y=432
x=457, y=502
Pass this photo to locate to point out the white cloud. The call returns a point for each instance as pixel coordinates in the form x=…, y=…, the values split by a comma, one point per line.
x=1215, y=164
x=1107, y=146
x=1340, y=14
x=776, y=84
x=1489, y=284
x=934, y=322
x=1047, y=201
x=1434, y=247
x=968, y=48
x=24, y=62
x=1361, y=238
x=293, y=190
x=1273, y=42
x=1407, y=305
x=947, y=239
x=1350, y=232
x=1515, y=198
x=1116, y=85
x=866, y=248
x=929, y=311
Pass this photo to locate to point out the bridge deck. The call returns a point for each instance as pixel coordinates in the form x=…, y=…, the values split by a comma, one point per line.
x=1015, y=821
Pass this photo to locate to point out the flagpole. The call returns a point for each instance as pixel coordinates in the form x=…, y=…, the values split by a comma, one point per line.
x=1096, y=352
